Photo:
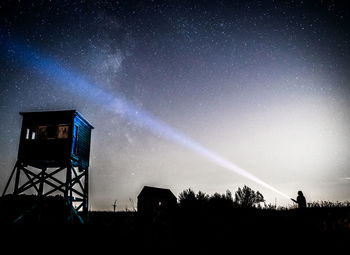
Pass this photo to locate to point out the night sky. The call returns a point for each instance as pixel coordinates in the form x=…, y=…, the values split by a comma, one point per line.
x=264, y=84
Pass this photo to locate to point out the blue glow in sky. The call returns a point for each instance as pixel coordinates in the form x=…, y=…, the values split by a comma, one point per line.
x=120, y=106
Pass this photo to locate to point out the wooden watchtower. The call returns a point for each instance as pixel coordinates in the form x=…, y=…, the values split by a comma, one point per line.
x=53, y=157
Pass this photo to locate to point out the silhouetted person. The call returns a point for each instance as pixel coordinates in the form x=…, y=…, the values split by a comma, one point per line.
x=301, y=201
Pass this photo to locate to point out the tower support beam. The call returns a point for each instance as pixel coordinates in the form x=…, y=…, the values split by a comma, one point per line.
x=67, y=181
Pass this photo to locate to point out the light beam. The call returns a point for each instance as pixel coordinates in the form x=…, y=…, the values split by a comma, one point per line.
x=74, y=82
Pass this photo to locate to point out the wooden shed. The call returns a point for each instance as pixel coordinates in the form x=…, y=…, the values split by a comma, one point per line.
x=155, y=203
x=52, y=137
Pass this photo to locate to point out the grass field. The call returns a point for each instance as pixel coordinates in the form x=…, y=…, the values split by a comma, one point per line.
x=213, y=230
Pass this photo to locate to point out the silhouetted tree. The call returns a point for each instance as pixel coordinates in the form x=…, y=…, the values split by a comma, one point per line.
x=228, y=196
x=224, y=200
x=187, y=198
x=202, y=198
x=219, y=203
x=247, y=197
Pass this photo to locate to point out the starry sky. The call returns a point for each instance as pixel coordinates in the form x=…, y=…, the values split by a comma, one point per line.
x=264, y=84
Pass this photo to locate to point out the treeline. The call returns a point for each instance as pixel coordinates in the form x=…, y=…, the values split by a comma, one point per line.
x=243, y=198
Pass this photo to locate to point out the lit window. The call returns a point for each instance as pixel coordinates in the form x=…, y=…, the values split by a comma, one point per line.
x=42, y=132
x=62, y=131
x=30, y=134
x=52, y=132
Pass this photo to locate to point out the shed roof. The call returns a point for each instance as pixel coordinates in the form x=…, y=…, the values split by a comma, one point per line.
x=154, y=191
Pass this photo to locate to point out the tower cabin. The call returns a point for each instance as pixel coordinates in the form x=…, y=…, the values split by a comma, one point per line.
x=53, y=138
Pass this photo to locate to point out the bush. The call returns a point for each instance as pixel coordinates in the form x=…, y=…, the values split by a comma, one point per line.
x=247, y=197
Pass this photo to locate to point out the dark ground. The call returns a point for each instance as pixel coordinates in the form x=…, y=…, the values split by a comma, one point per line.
x=204, y=231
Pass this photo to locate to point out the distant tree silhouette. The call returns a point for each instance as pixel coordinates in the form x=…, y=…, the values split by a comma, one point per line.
x=190, y=200
x=216, y=200
x=219, y=203
x=224, y=199
x=187, y=195
x=187, y=198
x=228, y=197
x=246, y=197
x=202, y=198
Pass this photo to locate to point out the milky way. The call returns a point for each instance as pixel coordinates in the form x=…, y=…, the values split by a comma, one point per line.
x=265, y=84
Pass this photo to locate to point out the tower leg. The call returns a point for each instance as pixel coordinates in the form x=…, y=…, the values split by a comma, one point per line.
x=9, y=180
x=42, y=180
x=68, y=192
x=86, y=195
x=18, y=174
x=46, y=181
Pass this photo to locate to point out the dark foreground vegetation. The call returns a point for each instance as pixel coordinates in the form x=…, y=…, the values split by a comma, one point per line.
x=203, y=225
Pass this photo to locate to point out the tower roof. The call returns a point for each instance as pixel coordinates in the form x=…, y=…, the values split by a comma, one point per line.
x=72, y=112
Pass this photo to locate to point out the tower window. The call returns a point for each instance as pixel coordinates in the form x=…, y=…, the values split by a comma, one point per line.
x=62, y=131
x=27, y=133
x=42, y=132
x=53, y=132
x=30, y=134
